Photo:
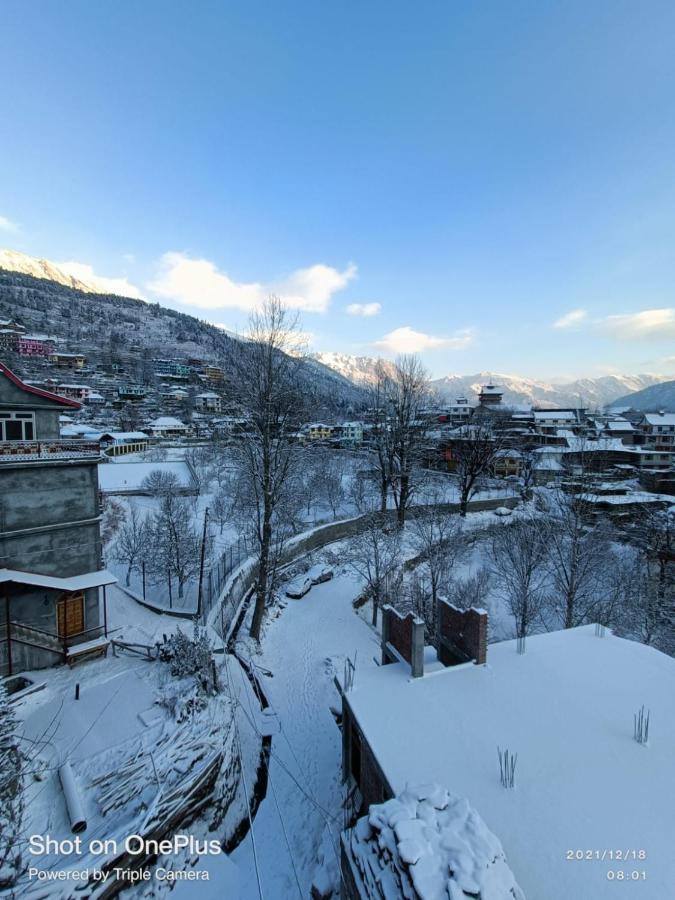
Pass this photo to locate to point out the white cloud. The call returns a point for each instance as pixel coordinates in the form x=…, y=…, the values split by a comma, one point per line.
x=650, y=324
x=198, y=282
x=7, y=225
x=363, y=309
x=571, y=318
x=84, y=272
x=407, y=340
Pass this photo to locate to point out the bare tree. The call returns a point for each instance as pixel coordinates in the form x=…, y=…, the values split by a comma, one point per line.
x=381, y=435
x=220, y=508
x=112, y=518
x=176, y=542
x=159, y=483
x=331, y=479
x=133, y=544
x=437, y=537
x=579, y=557
x=472, y=590
x=374, y=555
x=268, y=367
x=473, y=452
x=409, y=394
x=518, y=564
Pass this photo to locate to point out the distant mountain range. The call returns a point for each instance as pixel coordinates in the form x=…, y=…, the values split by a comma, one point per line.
x=651, y=399
x=136, y=328
x=519, y=391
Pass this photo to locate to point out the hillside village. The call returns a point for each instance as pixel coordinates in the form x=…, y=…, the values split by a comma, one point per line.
x=425, y=552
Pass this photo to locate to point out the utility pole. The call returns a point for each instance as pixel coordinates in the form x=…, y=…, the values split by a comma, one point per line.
x=201, y=564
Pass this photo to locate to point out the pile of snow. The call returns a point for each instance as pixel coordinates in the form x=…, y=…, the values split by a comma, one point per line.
x=426, y=843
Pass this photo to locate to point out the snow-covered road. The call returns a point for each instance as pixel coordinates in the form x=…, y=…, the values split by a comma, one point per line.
x=303, y=648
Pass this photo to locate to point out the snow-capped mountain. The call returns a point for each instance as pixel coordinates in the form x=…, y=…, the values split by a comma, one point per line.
x=651, y=399
x=79, y=276
x=361, y=370
x=14, y=261
x=588, y=392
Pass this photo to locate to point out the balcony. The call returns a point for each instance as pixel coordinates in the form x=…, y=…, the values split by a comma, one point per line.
x=31, y=451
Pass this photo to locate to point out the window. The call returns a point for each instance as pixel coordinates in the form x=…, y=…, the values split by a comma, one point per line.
x=17, y=426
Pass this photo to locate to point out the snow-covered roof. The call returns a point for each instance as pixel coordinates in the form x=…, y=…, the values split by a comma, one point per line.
x=619, y=425
x=117, y=435
x=565, y=414
x=660, y=418
x=166, y=422
x=209, y=395
x=566, y=708
x=74, y=583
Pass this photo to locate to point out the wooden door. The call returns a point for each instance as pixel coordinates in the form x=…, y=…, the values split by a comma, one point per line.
x=70, y=614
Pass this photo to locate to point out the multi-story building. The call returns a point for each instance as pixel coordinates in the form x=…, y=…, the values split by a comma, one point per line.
x=80, y=392
x=53, y=584
x=350, y=433
x=171, y=368
x=490, y=395
x=209, y=402
x=67, y=360
x=317, y=431
x=10, y=332
x=214, y=374
x=131, y=392
x=40, y=345
x=658, y=430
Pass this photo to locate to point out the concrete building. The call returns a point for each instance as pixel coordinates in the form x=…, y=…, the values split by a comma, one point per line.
x=563, y=701
x=167, y=427
x=36, y=345
x=209, y=402
x=350, y=434
x=51, y=580
x=658, y=430
x=67, y=360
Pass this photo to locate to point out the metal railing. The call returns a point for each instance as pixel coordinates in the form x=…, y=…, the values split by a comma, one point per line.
x=18, y=451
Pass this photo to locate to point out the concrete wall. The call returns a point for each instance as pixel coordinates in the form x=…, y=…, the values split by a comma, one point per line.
x=47, y=493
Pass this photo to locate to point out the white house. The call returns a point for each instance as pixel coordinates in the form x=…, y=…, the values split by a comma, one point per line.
x=166, y=427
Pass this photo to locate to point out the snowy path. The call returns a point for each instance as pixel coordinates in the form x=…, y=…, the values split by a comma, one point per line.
x=303, y=648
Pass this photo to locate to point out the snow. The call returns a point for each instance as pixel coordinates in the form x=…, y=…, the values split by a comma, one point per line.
x=320, y=631
x=128, y=476
x=438, y=841
x=73, y=583
x=566, y=707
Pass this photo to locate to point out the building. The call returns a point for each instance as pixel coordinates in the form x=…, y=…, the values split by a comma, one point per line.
x=51, y=576
x=214, y=374
x=490, y=395
x=456, y=413
x=167, y=427
x=119, y=443
x=10, y=332
x=317, y=431
x=131, y=392
x=507, y=463
x=350, y=434
x=565, y=705
x=548, y=421
x=67, y=360
x=658, y=430
x=209, y=402
x=172, y=368
x=35, y=345
x=80, y=392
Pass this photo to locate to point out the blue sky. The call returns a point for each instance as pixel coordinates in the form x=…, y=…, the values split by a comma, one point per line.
x=491, y=184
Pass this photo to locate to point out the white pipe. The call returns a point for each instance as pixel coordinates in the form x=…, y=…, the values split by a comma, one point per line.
x=78, y=822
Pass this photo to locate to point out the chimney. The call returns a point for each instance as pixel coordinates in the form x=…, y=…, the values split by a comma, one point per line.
x=462, y=634
x=403, y=640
